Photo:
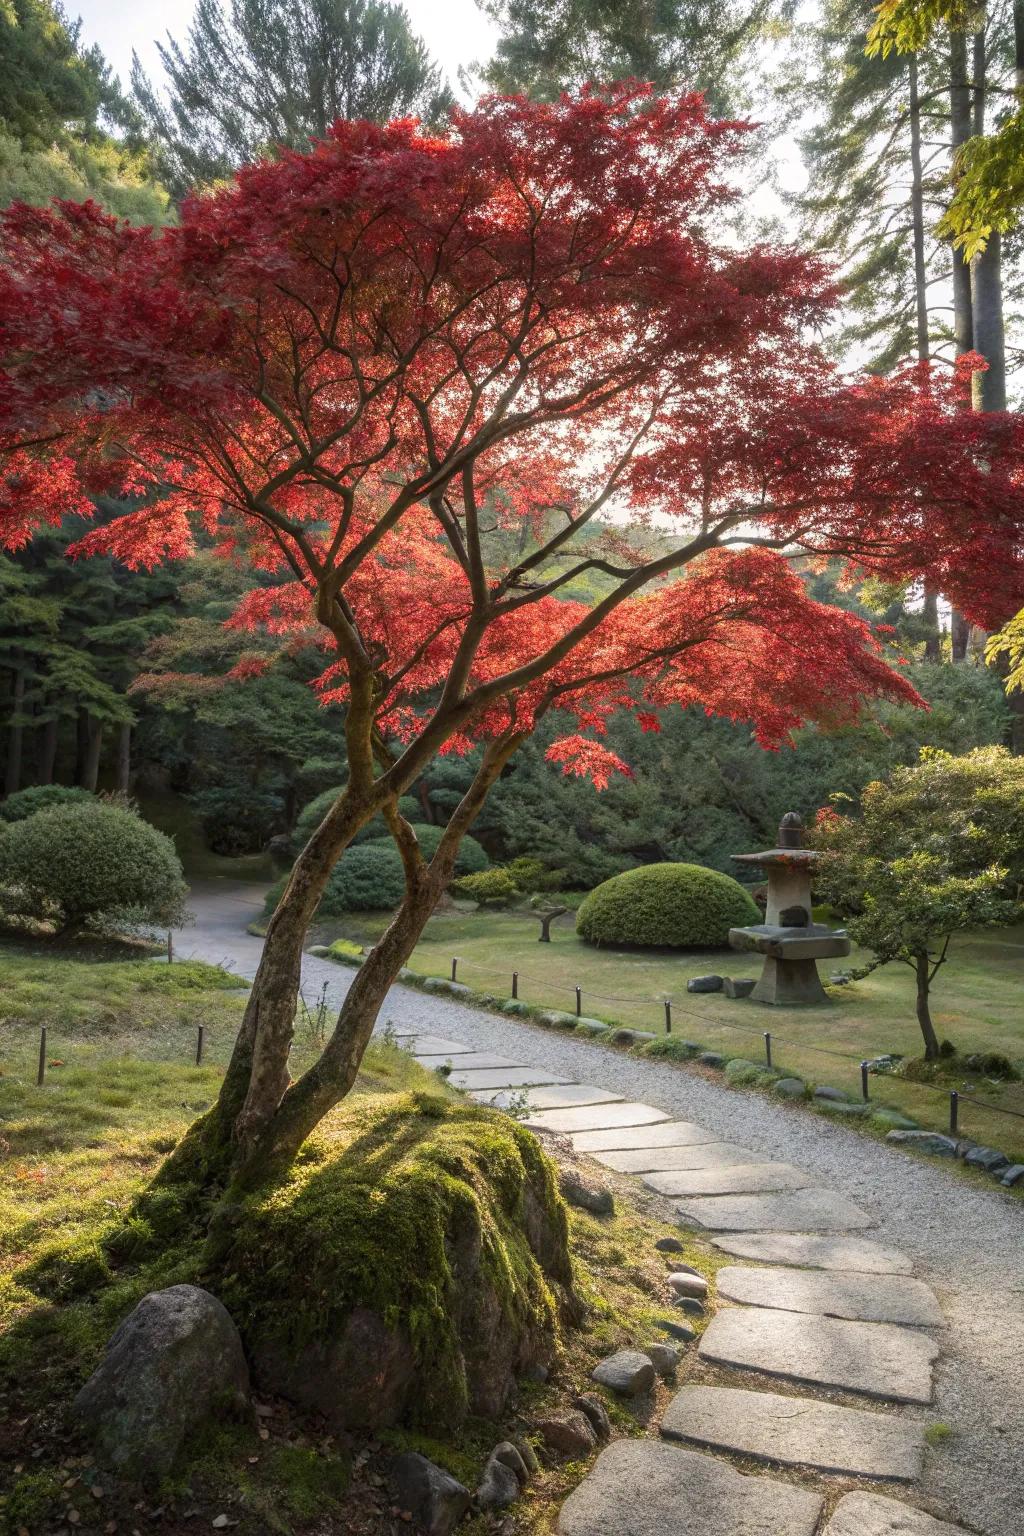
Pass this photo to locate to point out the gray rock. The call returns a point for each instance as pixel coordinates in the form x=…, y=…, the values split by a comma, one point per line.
x=739, y=986
x=704, y=984
x=840, y=1108
x=569, y=1434
x=690, y=1305
x=557, y=1020
x=499, y=1486
x=676, y=1330
x=174, y=1361
x=864, y=1298
x=712, y=1058
x=435, y=1499
x=925, y=1141
x=730, y=1179
x=1012, y=1175
x=627, y=1371
x=667, y=1133
x=988, y=1159
x=651, y=1488
x=836, y=1094
x=894, y=1120
x=876, y=1359
x=509, y=1454
x=790, y=1087
x=797, y=1431
x=527, y=1455
x=441, y=984
x=856, y=1253
x=514, y=1006
x=803, y=1210
x=633, y=1036
x=596, y=1117
x=707, y=1154
x=686, y=1282
x=664, y=1358
x=670, y=1245
x=319, y=951
x=587, y=1194
x=869, y=1514
x=596, y=1412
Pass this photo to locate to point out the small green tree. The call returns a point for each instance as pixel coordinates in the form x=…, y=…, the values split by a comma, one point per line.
x=93, y=865
x=937, y=848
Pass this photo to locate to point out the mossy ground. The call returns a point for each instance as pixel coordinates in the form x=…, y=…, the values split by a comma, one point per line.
x=82, y=1150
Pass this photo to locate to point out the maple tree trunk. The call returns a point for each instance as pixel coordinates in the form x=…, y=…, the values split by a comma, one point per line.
x=924, y=1017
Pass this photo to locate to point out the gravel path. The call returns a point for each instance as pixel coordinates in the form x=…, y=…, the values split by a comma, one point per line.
x=967, y=1241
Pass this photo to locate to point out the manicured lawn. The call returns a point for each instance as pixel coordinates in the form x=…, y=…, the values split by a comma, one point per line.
x=978, y=1004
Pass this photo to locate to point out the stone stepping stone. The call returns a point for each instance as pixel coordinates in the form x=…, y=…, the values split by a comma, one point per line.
x=507, y=1076
x=739, y=1179
x=596, y=1118
x=482, y=1061
x=850, y=1253
x=868, y=1514
x=435, y=1045
x=670, y=1133
x=650, y=1488
x=707, y=1154
x=877, y=1359
x=572, y=1094
x=797, y=1431
x=804, y=1210
x=865, y=1298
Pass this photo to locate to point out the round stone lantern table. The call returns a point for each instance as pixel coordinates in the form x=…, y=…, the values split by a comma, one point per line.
x=792, y=944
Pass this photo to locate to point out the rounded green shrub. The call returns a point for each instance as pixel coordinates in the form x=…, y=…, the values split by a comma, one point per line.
x=367, y=878
x=42, y=797
x=488, y=887
x=672, y=906
x=313, y=814
x=97, y=865
x=469, y=860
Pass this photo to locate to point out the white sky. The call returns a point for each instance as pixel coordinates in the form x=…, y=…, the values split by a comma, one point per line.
x=455, y=31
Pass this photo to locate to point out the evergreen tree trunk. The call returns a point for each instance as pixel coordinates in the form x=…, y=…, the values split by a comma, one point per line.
x=930, y=605
x=124, y=758
x=81, y=746
x=93, y=747
x=963, y=319
x=47, y=750
x=924, y=1018
x=15, y=734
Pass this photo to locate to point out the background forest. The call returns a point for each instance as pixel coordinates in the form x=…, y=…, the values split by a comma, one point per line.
x=114, y=680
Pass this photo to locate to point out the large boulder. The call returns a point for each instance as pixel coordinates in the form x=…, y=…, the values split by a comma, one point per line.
x=435, y=1499
x=174, y=1361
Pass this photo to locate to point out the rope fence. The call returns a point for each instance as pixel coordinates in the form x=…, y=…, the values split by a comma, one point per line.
x=670, y=1006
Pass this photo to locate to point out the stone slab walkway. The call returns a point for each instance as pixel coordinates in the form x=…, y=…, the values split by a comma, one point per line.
x=806, y=1210
x=863, y=1298
x=729, y=1179
x=797, y=1431
x=868, y=1514
x=858, y=1254
x=701, y=1154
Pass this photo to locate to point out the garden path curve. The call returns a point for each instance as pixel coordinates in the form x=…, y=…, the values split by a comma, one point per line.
x=871, y=1211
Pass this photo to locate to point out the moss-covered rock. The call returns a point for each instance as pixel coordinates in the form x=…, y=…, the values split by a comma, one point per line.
x=408, y=1276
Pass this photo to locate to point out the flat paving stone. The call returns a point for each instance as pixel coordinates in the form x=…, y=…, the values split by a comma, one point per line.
x=737, y=1179
x=487, y=1061
x=852, y=1253
x=869, y=1514
x=501, y=1077
x=705, y=1154
x=878, y=1359
x=865, y=1298
x=650, y=1488
x=435, y=1045
x=805, y=1210
x=669, y=1133
x=567, y=1097
x=797, y=1431
x=596, y=1118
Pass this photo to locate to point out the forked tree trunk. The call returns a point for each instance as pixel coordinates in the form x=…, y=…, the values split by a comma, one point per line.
x=922, y=966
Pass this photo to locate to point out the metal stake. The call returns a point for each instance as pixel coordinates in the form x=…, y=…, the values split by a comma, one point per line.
x=768, y=1047
x=864, y=1081
x=515, y=983
x=579, y=1003
x=954, y=1111
x=668, y=1015
x=200, y=1039
x=41, y=1074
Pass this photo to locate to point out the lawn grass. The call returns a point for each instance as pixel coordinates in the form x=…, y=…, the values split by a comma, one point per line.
x=978, y=1004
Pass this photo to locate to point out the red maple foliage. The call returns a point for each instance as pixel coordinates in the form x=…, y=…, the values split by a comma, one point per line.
x=439, y=382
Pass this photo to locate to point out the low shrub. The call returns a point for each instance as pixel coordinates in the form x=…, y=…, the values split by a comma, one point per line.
x=488, y=888
x=238, y=819
x=93, y=865
x=367, y=878
x=42, y=797
x=469, y=860
x=673, y=906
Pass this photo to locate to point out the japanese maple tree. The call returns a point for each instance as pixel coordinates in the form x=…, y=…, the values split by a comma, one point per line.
x=352, y=366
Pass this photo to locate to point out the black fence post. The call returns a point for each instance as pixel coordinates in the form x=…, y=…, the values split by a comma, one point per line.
x=579, y=1002
x=200, y=1041
x=768, y=1047
x=668, y=1015
x=455, y=966
x=41, y=1074
x=864, y=1081
x=515, y=983
x=170, y=950
x=954, y=1111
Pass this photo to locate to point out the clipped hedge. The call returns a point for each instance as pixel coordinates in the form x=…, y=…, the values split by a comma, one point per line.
x=670, y=906
x=42, y=797
x=469, y=860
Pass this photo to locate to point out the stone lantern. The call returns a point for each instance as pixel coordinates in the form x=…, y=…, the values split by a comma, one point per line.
x=791, y=943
